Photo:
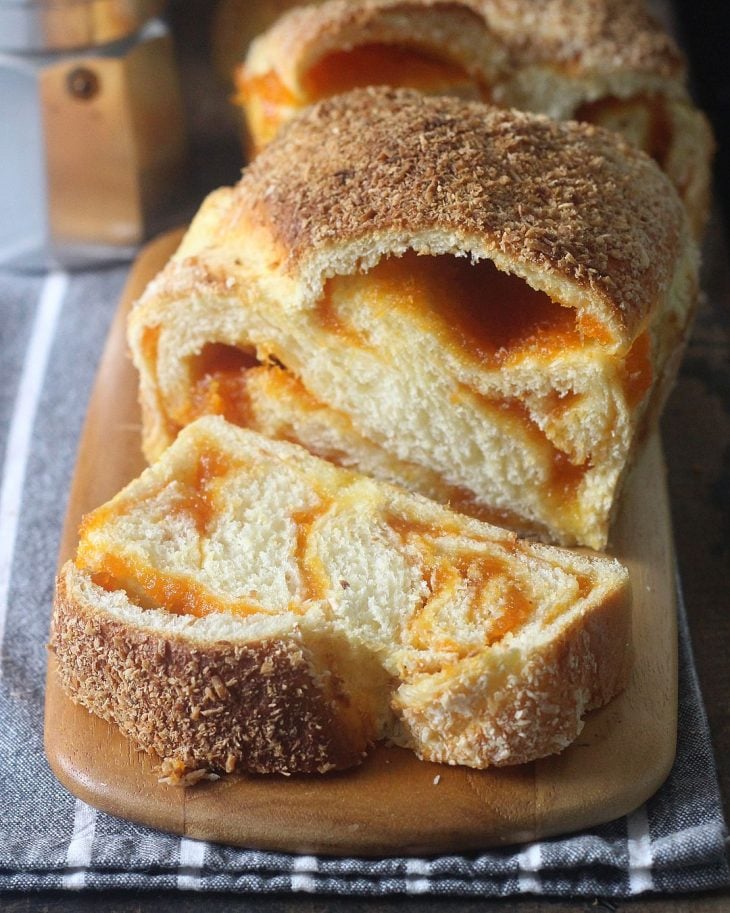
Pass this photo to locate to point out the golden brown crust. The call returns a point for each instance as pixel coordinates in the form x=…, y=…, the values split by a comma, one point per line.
x=585, y=35
x=218, y=706
x=556, y=57
x=571, y=201
x=579, y=36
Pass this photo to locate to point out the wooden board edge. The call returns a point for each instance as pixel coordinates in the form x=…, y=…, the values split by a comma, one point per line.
x=137, y=808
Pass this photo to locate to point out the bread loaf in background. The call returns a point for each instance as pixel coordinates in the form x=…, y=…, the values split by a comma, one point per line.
x=484, y=306
x=246, y=606
x=606, y=62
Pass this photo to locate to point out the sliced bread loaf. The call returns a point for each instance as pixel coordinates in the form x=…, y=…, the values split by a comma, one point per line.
x=245, y=605
x=605, y=62
x=481, y=305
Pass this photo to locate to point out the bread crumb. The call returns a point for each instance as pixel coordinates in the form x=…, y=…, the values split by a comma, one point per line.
x=219, y=688
x=174, y=773
x=437, y=779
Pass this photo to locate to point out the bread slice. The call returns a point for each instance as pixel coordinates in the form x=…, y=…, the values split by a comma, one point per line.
x=606, y=62
x=244, y=605
x=482, y=305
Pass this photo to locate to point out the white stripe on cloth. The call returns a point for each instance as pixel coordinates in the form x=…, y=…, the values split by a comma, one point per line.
x=529, y=862
x=21, y=427
x=192, y=857
x=640, y=858
x=302, y=869
x=78, y=855
x=418, y=867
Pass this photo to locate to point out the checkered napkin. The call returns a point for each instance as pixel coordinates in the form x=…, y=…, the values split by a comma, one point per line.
x=51, y=333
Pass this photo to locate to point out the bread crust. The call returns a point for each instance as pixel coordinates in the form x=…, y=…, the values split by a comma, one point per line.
x=218, y=706
x=306, y=34
x=589, y=35
x=502, y=712
x=605, y=36
x=550, y=57
x=380, y=170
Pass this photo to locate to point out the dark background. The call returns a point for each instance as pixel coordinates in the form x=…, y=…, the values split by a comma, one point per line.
x=704, y=31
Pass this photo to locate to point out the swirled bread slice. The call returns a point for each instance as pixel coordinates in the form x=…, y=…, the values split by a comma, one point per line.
x=606, y=62
x=244, y=605
x=484, y=306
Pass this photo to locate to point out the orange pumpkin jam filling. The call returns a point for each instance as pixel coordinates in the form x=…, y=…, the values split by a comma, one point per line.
x=511, y=611
x=315, y=581
x=269, y=101
x=565, y=476
x=444, y=574
x=496, y=603
x=379, y=64
x=153, y=589
x=495, y=317
x=146, y=585
x=196, y=498
x=218, y=376
x=199, y=498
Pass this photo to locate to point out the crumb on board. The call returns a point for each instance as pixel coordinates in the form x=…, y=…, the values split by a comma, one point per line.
x=174, y=773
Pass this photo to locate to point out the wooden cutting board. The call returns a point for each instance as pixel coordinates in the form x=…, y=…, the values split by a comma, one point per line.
x=393, y=803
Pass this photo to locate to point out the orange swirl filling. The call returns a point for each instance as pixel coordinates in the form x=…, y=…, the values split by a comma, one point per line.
x=196, y=498
x=218, y=384
x=392, y=65
x=269, y=102
x=477, y=311
x=496, y=603
x=445, y=574
x=154, y=589
x=492, y=317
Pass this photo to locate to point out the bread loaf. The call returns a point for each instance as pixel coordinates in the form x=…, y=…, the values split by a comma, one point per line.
x=482, y=305
x=605, y=62
x=246, y=606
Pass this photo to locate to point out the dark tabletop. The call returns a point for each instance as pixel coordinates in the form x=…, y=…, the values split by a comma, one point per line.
x=696, y=433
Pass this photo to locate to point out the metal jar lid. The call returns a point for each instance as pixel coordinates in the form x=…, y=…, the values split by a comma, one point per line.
x=56, y=25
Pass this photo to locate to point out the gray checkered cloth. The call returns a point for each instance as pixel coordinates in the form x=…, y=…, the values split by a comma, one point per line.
x=51, y=333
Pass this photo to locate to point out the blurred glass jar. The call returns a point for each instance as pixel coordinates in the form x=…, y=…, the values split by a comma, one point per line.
x=92, y=139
